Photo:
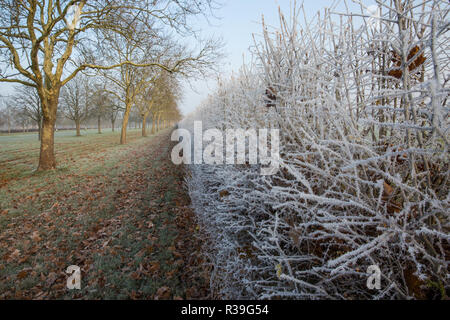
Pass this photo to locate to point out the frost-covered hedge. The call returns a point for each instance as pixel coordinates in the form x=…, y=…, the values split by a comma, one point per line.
x=364, y=127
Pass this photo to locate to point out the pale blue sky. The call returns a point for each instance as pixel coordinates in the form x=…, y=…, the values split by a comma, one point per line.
x=239, y=19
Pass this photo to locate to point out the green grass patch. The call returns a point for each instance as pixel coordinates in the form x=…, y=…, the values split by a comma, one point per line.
x=92, y=211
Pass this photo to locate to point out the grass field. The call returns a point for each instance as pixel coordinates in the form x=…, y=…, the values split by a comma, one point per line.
x=119, y=212
x=19, y=152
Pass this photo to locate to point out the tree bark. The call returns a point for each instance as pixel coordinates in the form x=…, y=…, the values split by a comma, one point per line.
x=112, y=125
x=39, y=123
x=144, y=122
x=153, y=124
x=99, y=124
x=77, y=125
x=123, y=134
x=47, y=158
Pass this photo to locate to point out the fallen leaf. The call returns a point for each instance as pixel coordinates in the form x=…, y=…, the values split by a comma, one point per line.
x=35, y=236
x=23, y=274
x=163, y=293
x=15, y=254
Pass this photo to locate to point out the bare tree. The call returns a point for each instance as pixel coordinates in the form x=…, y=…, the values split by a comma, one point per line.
x=21, y=118
x=166, y=105
x=363, y=120
x=113, y=111
x=101, y=103
x=144, y=106
x=27, y=101
x=6, y=113
x=76, y=101
x=127, y=82
x=156, y=50
x=158, y=98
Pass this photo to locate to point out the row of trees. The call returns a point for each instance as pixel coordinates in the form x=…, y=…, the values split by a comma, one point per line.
x=44, y=45
x=84, y=100
x=21, y=111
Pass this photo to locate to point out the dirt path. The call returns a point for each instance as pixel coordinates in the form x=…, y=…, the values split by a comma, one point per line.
x=125, y=222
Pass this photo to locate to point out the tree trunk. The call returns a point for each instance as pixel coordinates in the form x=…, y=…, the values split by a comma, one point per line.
x=144, y=122
x=159, y=123
x=112, y=125
x=47, y=158
x=39, y=123
x=123, y=134
x=153, y=125
x=99, y=124
x=42, y=126
x=77, y=125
